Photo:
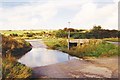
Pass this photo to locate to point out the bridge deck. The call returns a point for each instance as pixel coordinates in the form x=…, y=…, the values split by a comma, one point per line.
x=81, y=40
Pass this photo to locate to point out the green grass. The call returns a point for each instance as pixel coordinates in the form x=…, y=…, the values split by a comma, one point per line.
x=112, y=39
x=53, y=43
x=20, y=32
x=94, y=48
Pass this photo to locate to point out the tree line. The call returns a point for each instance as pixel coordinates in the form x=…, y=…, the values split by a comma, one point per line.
x=96, y=32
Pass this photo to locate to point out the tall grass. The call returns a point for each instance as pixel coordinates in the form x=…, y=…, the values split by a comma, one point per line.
x=94, y=48
x=13, y=69
x=56, y=43
x=17, y=47
x=13, y=49
x=112, y=39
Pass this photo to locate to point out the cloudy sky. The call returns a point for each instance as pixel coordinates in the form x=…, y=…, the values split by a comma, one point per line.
x=55, y=14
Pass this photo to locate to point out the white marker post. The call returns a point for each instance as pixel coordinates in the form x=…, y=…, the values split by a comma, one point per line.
x=69, y=40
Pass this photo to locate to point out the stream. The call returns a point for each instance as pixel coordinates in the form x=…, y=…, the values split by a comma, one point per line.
x=41, y=56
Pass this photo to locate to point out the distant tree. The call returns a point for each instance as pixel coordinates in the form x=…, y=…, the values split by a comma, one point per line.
x=65, y=29
x=118, y=34
x=96, y=28
x=71, y=29
x=61, y=33
x=96, y=31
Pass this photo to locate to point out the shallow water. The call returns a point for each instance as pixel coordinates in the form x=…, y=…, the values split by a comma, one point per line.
x=41, y=56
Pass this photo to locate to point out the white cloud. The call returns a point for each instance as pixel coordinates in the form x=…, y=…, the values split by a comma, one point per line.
x=27, y=15
x=37, y=15
x=116, y=1
x=91, y=15
x=34, y=14
x=68, y=3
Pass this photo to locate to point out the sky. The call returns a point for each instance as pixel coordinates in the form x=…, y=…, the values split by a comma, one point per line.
x=55, y=14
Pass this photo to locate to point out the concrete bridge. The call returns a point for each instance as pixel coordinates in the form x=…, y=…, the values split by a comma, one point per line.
x=76, y=42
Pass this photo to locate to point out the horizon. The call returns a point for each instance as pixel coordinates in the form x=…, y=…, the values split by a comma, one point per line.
x=54, y=15
x=49, y=29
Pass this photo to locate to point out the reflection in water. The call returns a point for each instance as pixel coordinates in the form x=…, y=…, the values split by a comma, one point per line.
x=41, y=56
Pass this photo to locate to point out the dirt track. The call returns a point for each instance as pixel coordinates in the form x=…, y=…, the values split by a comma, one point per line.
x=90, y=68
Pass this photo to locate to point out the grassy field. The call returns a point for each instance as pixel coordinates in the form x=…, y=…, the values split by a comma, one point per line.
x=54, y=43
x=112, y=39
x=25, y=34
x=94, y=48
x=7, y=32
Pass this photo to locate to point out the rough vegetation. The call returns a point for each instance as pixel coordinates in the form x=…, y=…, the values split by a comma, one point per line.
x=16, y=48
x=95, y=48
x=55, y=43
x=13, y=69
x=12, y=50
x=112, y=39
x=95, y=33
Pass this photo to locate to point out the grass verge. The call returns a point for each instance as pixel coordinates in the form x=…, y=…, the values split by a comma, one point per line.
x=12, y=50
x=94, y=48
x=112, y=39
x=13, y=69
